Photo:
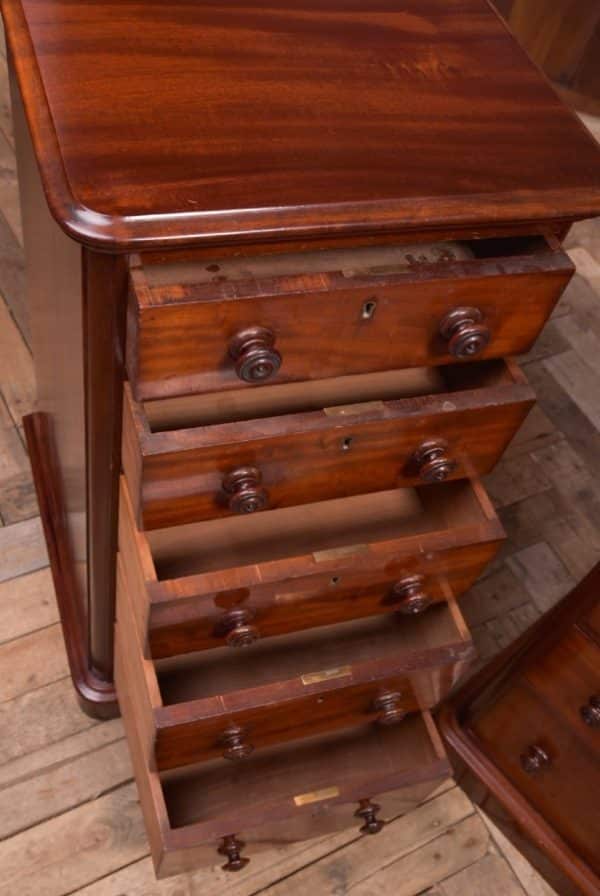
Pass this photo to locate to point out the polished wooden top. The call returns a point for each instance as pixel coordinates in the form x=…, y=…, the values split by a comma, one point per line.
x=187, y=121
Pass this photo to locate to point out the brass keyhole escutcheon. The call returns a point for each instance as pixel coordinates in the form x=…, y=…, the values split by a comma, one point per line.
x=368, y=309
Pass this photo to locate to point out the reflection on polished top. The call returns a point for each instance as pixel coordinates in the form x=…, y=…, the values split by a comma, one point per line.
x=180, y=122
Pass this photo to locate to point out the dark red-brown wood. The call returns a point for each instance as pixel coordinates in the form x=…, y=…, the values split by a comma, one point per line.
x=131, y=153
x=563, y=37
x=235, y=121
x=195, y=587
x=300, y=686
x=344, y=593
x=96, y=695
x=75, y=301
x=334, y=314
x=104, y=279
x=525, y=752
x=287, y=795
x=189, y=711
x=183, y=475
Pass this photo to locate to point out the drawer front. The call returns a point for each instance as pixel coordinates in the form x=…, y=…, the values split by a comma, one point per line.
x=549, y=763
x=567, y=678
x=410, y=584
x=187, y=337
x=207, y=472
x=590, y=623
x=241, y=724
x=236, y=733
x=293, y=795
x=236, y=581
x=329, y=810
x=202, y=707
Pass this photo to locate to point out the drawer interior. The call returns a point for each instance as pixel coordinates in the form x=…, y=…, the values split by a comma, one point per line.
x=289, y=785
x=350, y=764
x=359, y=261
x=342, y=393
x=385, y=642
x=315, y=528
x=288, y=687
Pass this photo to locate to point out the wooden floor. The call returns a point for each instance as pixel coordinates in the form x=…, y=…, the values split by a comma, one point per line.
x=69, y=818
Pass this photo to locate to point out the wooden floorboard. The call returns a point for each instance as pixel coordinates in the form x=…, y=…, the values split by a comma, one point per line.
x=71, y=821
x=27, y=604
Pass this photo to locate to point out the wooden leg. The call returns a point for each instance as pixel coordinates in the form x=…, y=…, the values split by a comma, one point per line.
x=105, y=288
x=97, y=698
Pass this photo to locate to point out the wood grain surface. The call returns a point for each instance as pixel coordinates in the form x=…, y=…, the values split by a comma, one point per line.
x=186, y=816
x=521, y=740
x=335, y=314
x=287, y=577
x=74, y=811
x=311, y=119
x=180, y=475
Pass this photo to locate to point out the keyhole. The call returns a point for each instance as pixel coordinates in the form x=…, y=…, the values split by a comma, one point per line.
x=335, y=580
x=347, y=443
x=368, y=309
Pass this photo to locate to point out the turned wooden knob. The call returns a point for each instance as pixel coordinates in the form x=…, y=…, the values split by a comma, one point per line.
x=247, y=494
x=236, y=628
x=432, y=461
x=236, y=747
x=390, y=708
x=232, y=847
x=368, y=812
x=410, y=596
x=534, y=759
x=590, y=713
x=466, y=336
x=256, y=359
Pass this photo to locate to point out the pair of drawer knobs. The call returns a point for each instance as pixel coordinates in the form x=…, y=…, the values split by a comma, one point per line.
x=388, y=706
x=257, y=360
x=246, y=493
x=408, y=596
x=232, y=848
x=536, y=758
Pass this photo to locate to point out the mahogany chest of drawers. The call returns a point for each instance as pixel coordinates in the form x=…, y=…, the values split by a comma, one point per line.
x=525, y=734
x=280, y=260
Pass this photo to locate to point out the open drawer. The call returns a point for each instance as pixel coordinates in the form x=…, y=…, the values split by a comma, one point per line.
x=203, y=457
x=277, y=796
x=228, y=705
x=199, y=327
x=233, y=581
